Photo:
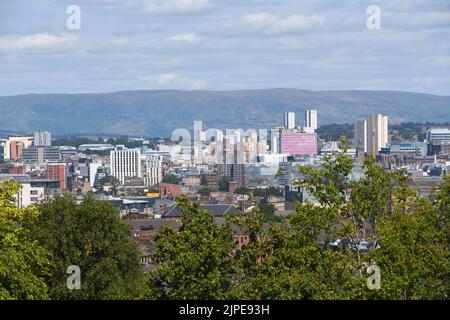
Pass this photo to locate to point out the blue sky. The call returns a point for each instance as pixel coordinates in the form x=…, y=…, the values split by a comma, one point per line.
x=224, y=45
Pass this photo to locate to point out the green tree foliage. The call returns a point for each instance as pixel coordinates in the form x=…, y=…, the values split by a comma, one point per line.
x=299, y=257
x=205, y=192
x=268, y=211
x=194, y=263
x=172, y=179
x=23, y=262
x=111, y=180
x=242, y=190
x=203, y=180
x=223, y=183
x=265, y=192
x=92, y=236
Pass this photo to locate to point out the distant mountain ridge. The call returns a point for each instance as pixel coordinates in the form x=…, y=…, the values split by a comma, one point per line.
x=159, y=112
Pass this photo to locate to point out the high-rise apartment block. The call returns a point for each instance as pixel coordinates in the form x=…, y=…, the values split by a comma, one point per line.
x=360, y=138
x=371, y=134
x=42, y=139
x=289, y=120
x=311, y=119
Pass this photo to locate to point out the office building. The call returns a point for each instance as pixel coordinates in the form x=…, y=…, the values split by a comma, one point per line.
x=42, y=139
x=41, y=154
x=298, y=144
x=125, y=163
x=438, y=141
x=14, y=147
x=289, y=120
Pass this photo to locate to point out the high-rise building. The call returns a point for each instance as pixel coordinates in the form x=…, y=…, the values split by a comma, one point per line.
x=125, y=163
x=377, y=133
x=371, y=134
x=57, y=172
x=232, y=164
x=42, y=138
x=311, y=119
x=289, y=120
x=360, y=140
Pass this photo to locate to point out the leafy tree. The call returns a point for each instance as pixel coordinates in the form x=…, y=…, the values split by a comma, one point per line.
x=203, y=180
x=92, y=236
x=113, y=181
x=23, y=262
x=265, y=192
x=205, y=192
x=223, y=183
x=268, y=211
x=172, y=179
x=195, y=262
x=242, y=190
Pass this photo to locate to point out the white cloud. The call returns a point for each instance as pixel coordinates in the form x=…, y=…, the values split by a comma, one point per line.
x=177, y=6
x=267, y=22
x=184, y=37
x=174, y=81
x=36, y=41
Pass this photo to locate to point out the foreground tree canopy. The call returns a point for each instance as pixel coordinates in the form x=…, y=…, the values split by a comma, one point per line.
x=299, y=257
x=294, y=260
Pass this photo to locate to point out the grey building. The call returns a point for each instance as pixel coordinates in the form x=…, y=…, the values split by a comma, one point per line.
x=41, y=154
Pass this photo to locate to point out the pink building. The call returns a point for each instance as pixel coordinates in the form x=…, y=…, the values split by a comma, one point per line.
x=299, y=144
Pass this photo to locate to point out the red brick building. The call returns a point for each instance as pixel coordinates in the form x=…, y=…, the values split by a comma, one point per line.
x=57, y=172
x=171, y=191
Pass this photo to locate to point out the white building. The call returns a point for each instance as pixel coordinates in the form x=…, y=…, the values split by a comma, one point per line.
x=289, y=120
x=311, y=120
x=42, y=139
x=377, y=133
x=360, y=140
x=372, y=134
x=125, y=163
x=29, y=195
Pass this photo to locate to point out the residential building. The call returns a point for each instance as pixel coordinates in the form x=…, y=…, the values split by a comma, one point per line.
x=360, y=139
x=311, y=120
x=42, y=139
x=377, y=133
x=57, y=172
x=289, y=120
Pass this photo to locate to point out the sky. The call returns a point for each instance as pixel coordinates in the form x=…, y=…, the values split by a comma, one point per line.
x=224, y=45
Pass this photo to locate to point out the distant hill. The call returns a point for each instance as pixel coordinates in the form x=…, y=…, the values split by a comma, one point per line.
x=157, y=113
